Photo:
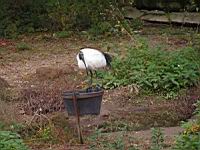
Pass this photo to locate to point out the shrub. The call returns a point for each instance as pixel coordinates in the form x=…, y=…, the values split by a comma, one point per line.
x=100, y=28
x=154, y=70
x=38, y=98
x=54, y=15
x=22, y=16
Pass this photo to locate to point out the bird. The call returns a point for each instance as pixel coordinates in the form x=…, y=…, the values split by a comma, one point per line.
x=90, y=59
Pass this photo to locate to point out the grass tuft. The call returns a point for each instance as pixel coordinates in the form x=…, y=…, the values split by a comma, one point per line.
x=23, y=46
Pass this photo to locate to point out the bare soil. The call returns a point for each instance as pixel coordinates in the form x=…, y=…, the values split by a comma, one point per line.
x=41, y=74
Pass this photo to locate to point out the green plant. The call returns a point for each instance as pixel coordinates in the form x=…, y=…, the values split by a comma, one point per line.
x=16, y=127
x=197, y=110
x=97, y=141
x=155, y=70
x=116, y=126
x=11, y=141
x=11, y=126
x=23, y=46
x=117, y=144
x=136, y=24
x=187, y=141
x=45, y=134
x=157, y=139
x=190, y=138
x=100, y=28
x=63, y=34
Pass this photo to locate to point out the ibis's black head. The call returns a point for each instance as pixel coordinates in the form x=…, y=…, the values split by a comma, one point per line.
x=81, y=56
x=108, y=59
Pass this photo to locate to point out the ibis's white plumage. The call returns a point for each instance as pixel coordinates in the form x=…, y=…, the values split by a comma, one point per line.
x=93, y=58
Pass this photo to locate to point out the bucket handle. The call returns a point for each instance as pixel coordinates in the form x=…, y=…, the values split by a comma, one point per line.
x=77, y=116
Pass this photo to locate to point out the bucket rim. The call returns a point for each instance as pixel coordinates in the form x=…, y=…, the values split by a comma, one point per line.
x=82, y=93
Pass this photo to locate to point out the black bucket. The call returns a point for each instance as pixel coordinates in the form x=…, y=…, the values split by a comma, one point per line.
x=89, y=103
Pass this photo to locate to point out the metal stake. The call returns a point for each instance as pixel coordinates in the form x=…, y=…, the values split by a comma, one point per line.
x=77, y=117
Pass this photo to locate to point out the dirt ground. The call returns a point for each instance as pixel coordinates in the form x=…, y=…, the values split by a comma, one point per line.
x=43, y=72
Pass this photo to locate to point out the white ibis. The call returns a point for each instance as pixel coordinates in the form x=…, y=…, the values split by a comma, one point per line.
x=92, y=59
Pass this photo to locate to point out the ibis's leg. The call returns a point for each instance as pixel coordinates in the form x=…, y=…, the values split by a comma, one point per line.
x=97, y=86
x=96, y=73
x=85, y=67
x=91, y=75
x=87, y=71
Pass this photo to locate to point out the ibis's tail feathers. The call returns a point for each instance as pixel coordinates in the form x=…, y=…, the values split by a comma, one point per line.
x=108, y=59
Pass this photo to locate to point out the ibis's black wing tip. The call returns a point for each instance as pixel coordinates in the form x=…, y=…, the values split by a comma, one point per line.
x=108, y=58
